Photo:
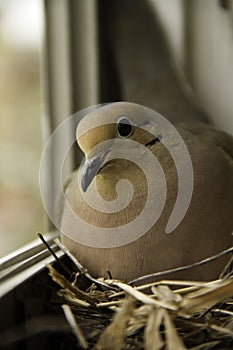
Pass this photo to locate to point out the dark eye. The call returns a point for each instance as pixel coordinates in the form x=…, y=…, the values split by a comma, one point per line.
x=124, y=127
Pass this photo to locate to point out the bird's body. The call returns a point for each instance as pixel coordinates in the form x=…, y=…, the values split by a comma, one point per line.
x=206, y=227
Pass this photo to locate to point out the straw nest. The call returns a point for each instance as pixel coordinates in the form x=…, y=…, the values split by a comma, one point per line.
x=108, y=314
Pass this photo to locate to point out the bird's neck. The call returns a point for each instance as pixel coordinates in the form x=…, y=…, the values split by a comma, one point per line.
x=113, y=172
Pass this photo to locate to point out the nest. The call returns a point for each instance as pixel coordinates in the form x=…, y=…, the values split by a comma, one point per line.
x=165, y=314
x=82, y=312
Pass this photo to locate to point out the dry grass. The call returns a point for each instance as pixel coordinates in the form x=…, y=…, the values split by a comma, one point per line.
x=112, y=315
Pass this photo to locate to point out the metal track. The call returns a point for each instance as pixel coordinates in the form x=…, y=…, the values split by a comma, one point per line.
x=25, y=262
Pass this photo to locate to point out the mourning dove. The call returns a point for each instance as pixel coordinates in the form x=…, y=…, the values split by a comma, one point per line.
x=207, y=223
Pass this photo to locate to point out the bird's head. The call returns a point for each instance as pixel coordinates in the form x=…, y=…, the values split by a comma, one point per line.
x=99, y=134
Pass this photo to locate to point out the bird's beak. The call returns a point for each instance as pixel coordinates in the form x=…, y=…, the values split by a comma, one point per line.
x=91, y=168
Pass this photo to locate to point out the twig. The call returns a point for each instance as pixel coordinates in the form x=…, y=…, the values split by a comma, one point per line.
x=63, y=266
x=74, y=326
x=227, y=271
x=226, y=312
x=80, y=267
x=182, y=268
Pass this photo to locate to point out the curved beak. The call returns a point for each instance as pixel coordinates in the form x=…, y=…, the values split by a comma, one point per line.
x=91, y=168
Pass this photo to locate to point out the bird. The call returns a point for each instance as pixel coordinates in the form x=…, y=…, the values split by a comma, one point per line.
x=111, y=136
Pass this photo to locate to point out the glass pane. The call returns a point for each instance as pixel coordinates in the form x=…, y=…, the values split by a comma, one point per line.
x=21, y=212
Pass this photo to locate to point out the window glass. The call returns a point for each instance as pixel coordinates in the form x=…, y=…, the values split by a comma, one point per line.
x=21, y=212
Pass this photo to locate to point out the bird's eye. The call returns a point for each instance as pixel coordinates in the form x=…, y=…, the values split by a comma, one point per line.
x=124, y=127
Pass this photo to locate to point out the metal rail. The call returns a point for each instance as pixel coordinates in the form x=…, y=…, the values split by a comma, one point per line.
x=25, y=262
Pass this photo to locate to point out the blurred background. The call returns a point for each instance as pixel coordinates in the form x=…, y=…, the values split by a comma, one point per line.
x=59, y=56
x=21, y=211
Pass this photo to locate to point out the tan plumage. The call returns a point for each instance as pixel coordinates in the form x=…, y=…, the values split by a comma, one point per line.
x=205, y=229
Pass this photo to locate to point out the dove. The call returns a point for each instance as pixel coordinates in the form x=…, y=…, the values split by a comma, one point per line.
x=132, y=154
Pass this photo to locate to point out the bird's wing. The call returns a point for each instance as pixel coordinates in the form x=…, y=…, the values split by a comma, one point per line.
x=220, y=139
